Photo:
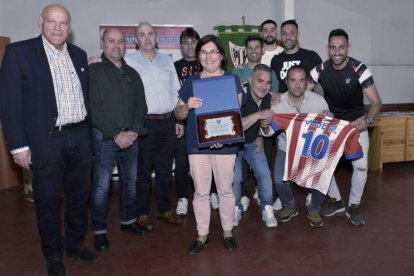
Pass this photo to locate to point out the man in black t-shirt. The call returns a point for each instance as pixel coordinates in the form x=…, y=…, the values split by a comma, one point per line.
x=345, y=82
x=188, y=65
x=185, y=67
x=293, y=54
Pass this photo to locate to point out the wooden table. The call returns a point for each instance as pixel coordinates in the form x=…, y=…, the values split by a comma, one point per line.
x=391, y=139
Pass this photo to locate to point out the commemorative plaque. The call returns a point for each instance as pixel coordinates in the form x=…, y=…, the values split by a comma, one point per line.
x=219, y=119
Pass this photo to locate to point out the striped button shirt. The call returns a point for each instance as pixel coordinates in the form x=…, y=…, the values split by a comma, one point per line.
x=68, y=90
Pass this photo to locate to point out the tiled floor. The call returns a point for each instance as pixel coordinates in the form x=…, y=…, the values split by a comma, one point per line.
x=384, y=246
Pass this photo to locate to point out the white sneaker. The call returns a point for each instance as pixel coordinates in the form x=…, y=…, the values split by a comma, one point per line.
x=245, y=202
x=182, y=207
x=115, y=175
x=308, y=199
x=277, y=205
x=237, y=216
x=173, y=168
x=268, y=216
x=214, y=201
x=256, y=196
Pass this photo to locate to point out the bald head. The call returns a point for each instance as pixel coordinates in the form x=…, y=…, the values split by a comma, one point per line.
x=55, y=24
x=113, y=45
x=111, y=30
x=46, y=8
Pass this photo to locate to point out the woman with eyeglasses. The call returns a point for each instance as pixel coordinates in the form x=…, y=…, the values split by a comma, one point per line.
x=219, y=159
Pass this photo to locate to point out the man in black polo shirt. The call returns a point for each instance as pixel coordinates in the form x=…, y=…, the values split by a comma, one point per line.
x=118, y=111
x=256, y=109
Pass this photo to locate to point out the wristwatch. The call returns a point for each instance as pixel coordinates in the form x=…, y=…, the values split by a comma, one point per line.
x=369, y=120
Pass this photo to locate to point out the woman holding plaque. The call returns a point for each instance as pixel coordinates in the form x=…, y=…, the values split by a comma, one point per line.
x=217, y=158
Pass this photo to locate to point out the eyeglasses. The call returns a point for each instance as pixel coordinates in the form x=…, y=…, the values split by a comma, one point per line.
x=212, y=53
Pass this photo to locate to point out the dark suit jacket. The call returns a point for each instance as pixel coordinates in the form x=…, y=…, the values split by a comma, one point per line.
x=28, y=106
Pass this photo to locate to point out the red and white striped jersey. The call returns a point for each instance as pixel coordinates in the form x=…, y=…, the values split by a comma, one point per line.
x=315, y=143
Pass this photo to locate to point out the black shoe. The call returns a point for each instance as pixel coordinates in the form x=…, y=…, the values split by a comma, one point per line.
x=230, y=243
x=83, y=255
x=197, y=247
x=100, y=242
x=55, y=268
x=134, y=228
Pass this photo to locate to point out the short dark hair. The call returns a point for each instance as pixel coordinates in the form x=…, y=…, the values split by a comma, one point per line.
x=262, y=67
x=338, y=32
x=253, y=38
x=290, y=21
x=189, y=33
x=268, y=21
x=297, y=68
x=211, y=38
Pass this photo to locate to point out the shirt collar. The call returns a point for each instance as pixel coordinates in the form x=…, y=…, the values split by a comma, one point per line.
x=251, y=99
x=105, y=60
x=143, y=55
x=52, y=48
x=305, y=99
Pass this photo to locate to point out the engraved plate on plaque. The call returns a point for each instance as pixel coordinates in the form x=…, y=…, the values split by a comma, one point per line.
x=219, y=127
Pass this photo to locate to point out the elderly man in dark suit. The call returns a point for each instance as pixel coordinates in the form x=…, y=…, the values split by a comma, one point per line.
x=43, y=105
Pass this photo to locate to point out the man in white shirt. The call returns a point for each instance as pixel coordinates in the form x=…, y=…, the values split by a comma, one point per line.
x=297, y=100
x=269, y=35
x=156, y=150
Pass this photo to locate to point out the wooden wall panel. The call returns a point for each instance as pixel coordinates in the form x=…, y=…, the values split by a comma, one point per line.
x=10, y=173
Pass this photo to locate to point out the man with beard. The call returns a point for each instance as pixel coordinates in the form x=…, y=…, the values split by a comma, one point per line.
x=269, y=35
x=345, y=82
x=293, y=54
x=255, y=50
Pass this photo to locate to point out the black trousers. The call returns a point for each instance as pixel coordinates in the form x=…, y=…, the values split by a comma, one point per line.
x=156, y=150
x=69, y=165
x=181, y=168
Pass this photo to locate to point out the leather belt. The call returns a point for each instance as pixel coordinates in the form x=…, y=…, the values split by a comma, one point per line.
x=160, y=117
x=68, y=126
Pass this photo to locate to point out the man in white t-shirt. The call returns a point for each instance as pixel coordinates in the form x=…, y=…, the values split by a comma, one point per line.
x=269, y=35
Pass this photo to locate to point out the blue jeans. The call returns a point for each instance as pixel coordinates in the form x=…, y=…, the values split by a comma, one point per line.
x=105, y=152
x=258, y=162
x=285, y=191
